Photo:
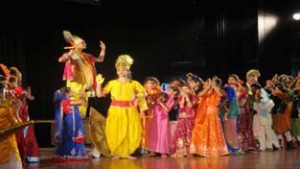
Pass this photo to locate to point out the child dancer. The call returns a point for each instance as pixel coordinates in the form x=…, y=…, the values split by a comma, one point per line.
x=152, y=88
x=207, y=137
x=159, y=140
x=70, y=136
x=187, y=102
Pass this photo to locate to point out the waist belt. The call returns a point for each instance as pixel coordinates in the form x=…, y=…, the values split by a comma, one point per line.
x=121, y=103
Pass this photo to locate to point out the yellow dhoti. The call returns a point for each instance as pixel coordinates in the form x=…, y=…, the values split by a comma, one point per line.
x=123, y=130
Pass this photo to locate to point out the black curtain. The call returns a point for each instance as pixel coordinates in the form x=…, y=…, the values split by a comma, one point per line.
x=12, y=51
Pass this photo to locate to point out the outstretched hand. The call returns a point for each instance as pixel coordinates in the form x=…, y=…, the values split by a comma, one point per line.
x=102, y=45
x=100, y=79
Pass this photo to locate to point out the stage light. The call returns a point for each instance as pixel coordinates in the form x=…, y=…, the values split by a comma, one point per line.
x=296, y=16
x=266, y=23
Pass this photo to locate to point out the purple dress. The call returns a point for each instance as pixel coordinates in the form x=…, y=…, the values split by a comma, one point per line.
x=159, y=131
x=245, y=130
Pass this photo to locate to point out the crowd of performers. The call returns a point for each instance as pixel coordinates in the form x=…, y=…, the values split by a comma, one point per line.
x=214, y=118
x=21, y=147
x=191, y=116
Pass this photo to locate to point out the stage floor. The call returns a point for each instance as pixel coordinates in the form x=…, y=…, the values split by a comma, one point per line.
x=254, y=160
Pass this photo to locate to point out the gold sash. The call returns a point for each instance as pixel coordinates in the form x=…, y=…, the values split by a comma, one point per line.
x=97, y=132
x=87, y=68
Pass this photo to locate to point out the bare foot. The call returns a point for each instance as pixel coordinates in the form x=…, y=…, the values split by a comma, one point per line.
x=151, y=154
x=189, y=155
x=130, y=158
x=164, y=156
x=116, y=157
x=179, y=155
x=174, y=155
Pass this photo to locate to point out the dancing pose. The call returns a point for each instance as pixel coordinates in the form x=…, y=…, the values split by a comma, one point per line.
x=27, y=142
x=208, y=137
x=123, y=124
x=69, y=133
x=79, y=71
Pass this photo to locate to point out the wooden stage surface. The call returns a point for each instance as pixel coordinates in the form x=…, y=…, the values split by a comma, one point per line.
x=285, y=159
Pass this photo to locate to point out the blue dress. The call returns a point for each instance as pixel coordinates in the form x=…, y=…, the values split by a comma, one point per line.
x=69, y=132
x=230, y=127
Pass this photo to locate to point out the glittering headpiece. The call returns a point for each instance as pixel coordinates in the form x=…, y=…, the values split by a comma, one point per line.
x=284, y=78
x=177, y=82
x=14, y=71
x=253, y=73
x=124, y=61
x=72, y=39
x=5, y=70
x=193, y=77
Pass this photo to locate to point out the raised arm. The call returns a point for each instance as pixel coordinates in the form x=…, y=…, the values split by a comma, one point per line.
x=164, y=106
x=101, y=56
x=99, y=91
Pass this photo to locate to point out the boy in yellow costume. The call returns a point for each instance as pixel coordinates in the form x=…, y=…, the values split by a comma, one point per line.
x=123, y=125
x=79, y=71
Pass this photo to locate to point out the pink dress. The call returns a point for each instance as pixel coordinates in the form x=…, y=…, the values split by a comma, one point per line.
x=159, y=131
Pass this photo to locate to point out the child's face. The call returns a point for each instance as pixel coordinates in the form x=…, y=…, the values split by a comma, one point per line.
x=12, y=84
x=193, y=84
x=172, y=92
x=258, y=95
x=214, y=83
x=186, y=90
x=231, y=81
x=150, y=85
x=70, y=93
x=122, y=72
x=82, y=45
x=251, y=80
x=206, y=84
x=163, y=99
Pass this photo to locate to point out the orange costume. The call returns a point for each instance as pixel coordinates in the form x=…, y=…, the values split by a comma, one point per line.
x=282, y=120
x=207, y=136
